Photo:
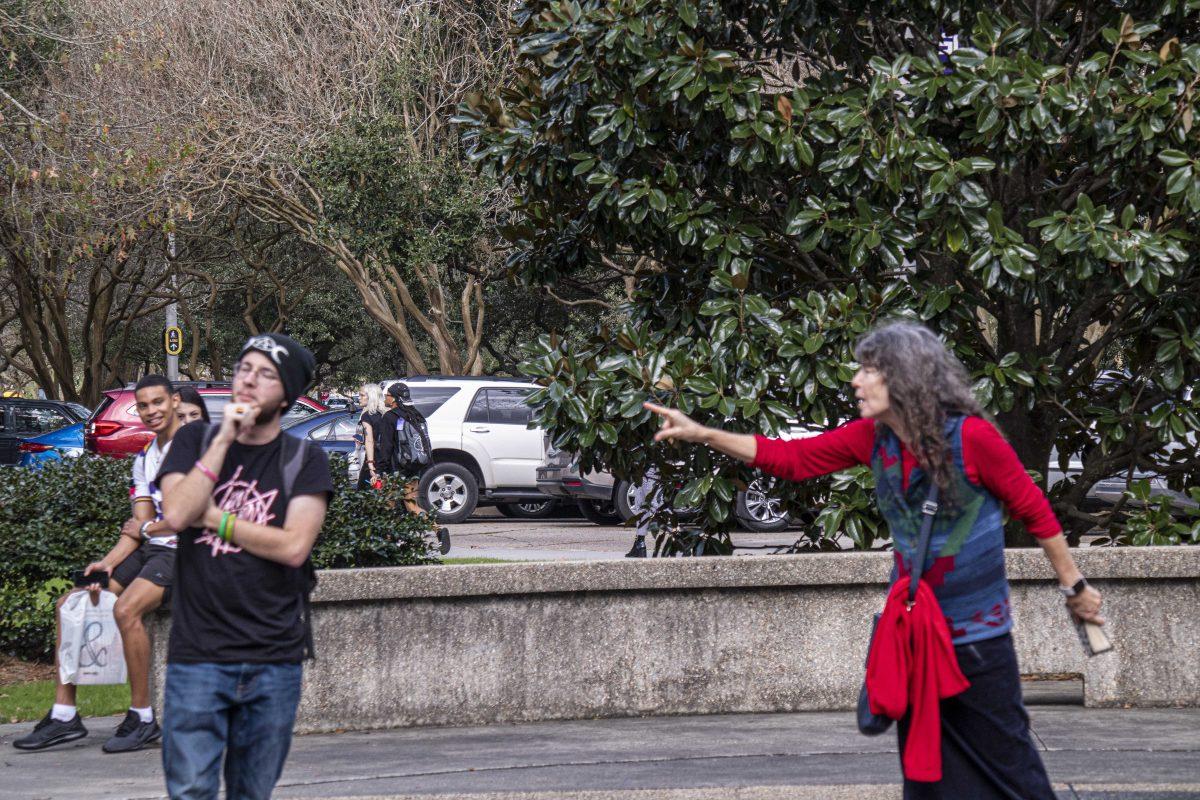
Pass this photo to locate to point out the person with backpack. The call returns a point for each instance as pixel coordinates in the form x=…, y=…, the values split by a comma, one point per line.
x=249, y=503
x=404, y=446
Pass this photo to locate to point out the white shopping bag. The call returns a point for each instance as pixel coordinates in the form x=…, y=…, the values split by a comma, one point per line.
x=90, y=652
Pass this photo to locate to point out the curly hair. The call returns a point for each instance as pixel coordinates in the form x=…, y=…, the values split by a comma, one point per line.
x=925, y=383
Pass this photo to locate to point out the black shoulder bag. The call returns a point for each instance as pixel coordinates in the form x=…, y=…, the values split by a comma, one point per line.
x=870, y=724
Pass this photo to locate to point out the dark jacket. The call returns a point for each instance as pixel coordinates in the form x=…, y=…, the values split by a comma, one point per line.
x=395, y=453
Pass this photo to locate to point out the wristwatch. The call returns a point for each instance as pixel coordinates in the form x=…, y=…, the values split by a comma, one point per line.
x=145, y=525
x=1071, y=591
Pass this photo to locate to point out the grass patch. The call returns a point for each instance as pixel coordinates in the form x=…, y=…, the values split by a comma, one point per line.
x=20, y=702
x=478, y=560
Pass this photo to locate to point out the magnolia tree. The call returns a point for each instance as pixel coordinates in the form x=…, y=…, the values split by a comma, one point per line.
x=785, y=176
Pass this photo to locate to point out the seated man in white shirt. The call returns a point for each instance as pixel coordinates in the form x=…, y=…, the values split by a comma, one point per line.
x=140, y=568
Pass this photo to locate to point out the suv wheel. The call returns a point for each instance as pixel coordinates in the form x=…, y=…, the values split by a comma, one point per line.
x=623, y=495
x=531, y=510
x=758, y=511
x=599, y=512
x=449, y=490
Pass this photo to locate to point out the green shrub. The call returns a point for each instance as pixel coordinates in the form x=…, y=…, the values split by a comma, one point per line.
x=68, y=513
x=365, y=529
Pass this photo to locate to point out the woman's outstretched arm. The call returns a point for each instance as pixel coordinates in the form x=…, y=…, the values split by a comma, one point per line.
x=679, y=427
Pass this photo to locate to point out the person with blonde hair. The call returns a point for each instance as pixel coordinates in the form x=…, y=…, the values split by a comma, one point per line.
x=370, y=398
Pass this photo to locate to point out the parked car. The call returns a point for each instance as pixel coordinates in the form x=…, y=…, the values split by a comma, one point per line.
x=114, y=428
x=1108, y=490
x=63, y=443
x=21, y=419
x=483, y=448
x=559, y=477
x=605, y=500
x=333, y=431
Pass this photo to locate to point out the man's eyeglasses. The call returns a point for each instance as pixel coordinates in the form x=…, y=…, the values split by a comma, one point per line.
x=245, y=371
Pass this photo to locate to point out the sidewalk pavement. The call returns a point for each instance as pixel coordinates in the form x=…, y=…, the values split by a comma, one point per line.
x=492, y=536
x=1091, y=754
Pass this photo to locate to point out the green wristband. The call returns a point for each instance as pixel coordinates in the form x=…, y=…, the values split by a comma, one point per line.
x=223, y=528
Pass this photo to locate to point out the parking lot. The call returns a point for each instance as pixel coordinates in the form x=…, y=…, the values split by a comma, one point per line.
x=487, y=534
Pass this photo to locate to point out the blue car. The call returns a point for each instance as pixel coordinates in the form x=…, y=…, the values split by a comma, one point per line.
x=63, y=443
x=333, y=431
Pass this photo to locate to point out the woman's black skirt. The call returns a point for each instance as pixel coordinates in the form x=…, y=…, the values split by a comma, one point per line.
x=987, y=749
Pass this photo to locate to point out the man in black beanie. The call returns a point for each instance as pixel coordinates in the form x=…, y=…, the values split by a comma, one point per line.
x=249, y=503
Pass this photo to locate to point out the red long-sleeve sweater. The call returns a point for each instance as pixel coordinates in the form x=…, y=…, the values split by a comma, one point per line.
x=912, y=665
x=989, y=461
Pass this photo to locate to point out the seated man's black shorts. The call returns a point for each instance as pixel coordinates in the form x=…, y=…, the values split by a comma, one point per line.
x=153, y=562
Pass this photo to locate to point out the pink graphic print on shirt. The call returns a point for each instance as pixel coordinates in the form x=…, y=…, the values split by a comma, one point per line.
x=246, y=501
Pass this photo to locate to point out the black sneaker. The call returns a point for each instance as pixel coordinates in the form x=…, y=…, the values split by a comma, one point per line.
x=132, y=734
x=443, y=535
x=638, y=550
x=50, y=732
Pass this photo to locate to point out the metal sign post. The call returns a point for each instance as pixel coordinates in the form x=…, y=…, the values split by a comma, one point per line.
x=173, y=347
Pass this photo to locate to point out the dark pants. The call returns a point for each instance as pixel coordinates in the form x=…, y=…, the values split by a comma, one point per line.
x=242, y=711
x=987, y=749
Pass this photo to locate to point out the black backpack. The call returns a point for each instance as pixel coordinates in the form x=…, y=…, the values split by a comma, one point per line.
x=293, y=451
x=411, y=447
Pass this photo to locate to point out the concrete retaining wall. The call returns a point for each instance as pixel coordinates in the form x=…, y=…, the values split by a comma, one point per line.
x=476, y=644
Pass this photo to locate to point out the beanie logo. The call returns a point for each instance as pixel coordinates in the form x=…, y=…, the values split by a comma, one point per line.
x=267, y=345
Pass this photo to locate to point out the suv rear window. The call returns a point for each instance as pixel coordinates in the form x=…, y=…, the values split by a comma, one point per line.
x=105, y=402
x=428, y=399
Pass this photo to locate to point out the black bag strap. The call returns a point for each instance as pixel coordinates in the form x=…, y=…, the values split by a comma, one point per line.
x=929, y=510
x=292, y=461
x=292, y=451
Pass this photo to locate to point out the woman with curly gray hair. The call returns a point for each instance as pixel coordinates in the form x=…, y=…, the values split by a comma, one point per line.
x=919, y=428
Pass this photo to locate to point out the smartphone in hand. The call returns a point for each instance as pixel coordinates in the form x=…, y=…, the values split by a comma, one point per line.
x=83, y=581
x=1093, y=638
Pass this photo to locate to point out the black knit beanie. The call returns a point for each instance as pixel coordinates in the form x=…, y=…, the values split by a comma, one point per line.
x=296, y=364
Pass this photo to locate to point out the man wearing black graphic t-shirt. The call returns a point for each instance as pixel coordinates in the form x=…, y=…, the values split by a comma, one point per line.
x=249, y=503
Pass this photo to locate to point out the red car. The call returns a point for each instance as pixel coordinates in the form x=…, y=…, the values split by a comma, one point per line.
x=114, y=428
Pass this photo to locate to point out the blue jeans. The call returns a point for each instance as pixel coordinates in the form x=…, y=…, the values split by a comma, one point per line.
x=242, y=711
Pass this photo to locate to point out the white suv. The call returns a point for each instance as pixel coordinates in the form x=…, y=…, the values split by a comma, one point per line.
x=483, y=448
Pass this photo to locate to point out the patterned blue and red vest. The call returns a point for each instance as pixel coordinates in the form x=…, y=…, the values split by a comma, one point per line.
x=965, y=566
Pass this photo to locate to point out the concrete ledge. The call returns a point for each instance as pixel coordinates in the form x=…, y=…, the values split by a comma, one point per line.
x=817, y=569
x=479, y=644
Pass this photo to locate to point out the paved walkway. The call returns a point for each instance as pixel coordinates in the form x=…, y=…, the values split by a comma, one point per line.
x=1092, y=754
x=487, y=534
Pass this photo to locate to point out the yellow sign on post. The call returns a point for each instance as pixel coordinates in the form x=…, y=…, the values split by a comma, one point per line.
x=173, y=340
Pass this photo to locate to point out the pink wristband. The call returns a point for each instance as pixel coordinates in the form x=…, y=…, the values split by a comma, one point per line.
x=206, y=472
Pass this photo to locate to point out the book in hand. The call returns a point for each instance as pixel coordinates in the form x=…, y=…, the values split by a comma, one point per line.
x=1095, y=641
